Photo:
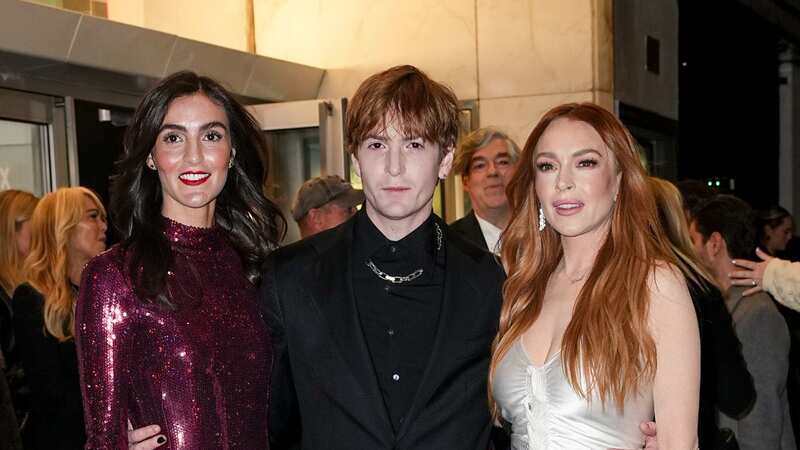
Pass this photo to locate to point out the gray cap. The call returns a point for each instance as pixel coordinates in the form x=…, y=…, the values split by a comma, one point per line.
x=318, y=191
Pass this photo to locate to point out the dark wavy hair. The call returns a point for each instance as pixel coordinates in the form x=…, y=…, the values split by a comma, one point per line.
x=251, y=223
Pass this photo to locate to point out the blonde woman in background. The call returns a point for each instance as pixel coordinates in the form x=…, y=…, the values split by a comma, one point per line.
x=16, y=208
x=726, y=384
x=68, y=228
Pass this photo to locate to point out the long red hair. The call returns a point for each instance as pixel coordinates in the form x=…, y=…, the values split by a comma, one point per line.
x=607, y=349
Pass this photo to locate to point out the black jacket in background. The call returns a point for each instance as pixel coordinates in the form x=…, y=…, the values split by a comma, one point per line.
x=725, y=383
x=469, y=228
x=324, y=393
x=9, y=428
x=51, y=372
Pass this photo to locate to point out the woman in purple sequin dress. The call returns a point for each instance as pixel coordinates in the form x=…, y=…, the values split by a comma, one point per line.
x=168, y=329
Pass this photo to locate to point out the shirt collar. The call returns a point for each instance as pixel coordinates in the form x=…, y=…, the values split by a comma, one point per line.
x=421, y=243
x=491, y=233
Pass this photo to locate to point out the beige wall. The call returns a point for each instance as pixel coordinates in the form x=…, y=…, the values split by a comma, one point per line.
x=517, y=57
x=223, y=23
x=353, y=39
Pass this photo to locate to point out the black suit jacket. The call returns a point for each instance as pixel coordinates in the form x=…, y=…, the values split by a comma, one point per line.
x=469, y=228
x=324, y=392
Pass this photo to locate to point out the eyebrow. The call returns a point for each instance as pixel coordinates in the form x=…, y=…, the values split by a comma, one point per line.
x=575, y=154
x=207, y=126
x=483, y=158
x=386, y=138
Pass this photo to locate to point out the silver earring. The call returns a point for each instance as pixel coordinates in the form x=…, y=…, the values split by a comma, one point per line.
x=230, y=164
x=542, y=223
x=150, y=163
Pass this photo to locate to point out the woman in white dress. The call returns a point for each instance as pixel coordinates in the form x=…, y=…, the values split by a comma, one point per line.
x=597, y=331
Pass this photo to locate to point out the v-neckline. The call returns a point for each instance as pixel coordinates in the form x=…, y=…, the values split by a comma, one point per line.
x=549, y=359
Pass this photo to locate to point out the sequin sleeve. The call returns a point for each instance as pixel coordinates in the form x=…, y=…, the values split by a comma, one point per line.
x=103, y=339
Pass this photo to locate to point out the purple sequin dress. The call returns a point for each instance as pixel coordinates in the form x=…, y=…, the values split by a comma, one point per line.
x=201, y=372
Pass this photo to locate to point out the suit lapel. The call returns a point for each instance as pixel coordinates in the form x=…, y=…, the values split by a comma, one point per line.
x=456, y=287
x=333, y=293
x=475, y=229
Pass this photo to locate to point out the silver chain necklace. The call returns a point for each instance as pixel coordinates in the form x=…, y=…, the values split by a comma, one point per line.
x=399, y=279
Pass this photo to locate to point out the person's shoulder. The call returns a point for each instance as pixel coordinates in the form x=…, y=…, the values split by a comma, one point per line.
x=26, y=298
x=668, y=286
x=463, y=247
x=110, y=263
x=761, y=305
x=310, y=248
x=758, y=321
x=25, y=290
x=460, y=224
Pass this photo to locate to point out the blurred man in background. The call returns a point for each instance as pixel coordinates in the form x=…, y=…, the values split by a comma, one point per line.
x=485, y=160
x=323, y=203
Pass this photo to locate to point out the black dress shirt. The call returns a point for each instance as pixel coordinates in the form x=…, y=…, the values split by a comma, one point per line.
x=398, y=320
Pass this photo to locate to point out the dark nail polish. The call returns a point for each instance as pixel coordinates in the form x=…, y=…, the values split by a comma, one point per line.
x=161, y=439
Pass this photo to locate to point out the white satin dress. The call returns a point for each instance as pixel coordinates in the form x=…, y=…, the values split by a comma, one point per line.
x=547, y=414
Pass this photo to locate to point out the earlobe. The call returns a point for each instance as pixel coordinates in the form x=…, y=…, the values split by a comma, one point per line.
x=446, y=164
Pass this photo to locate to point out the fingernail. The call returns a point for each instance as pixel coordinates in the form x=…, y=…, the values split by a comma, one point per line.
x=155, y=429
x=733, y=261
x=161, y=439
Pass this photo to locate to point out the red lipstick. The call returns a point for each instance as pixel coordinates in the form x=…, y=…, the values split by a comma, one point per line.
x=194, y=178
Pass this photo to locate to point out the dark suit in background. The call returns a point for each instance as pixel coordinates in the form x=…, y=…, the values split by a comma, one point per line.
x=469, y=228
x=325, y=394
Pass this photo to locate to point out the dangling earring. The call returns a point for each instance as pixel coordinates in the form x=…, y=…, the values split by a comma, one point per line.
x=542, y=223
x=233, y=155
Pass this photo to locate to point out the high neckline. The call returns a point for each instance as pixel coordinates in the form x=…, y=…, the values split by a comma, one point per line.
x=190, y=239
x=422, y=241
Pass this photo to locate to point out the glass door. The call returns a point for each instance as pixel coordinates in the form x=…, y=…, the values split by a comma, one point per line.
x=305, y=140
x=33, y=143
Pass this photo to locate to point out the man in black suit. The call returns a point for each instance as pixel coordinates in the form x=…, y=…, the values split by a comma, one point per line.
x=382, y=327
x=486, y=159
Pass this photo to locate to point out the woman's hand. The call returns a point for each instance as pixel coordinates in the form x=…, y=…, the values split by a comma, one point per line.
x=753, y=275
x=145, y=438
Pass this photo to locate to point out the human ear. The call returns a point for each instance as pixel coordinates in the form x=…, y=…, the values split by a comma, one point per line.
x=465, y=183
x=446, y=163
x=356, y=165
x=150, y=162
x=714, y=244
